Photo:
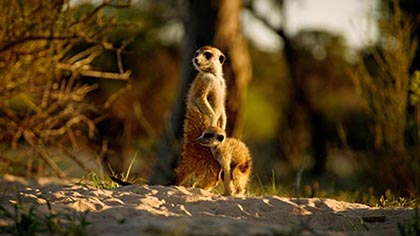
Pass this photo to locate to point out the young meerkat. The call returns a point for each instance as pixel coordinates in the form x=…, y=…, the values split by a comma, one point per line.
x=205, y=106
x=232, y=155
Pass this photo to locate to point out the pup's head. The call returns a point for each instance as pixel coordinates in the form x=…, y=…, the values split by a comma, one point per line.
x=208, y=59
x=212, y=136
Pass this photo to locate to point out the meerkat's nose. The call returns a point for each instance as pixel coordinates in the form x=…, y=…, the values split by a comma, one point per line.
x=196, y=60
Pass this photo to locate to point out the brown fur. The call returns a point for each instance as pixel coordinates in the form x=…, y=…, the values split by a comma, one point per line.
x=205, y=107
x=232, y=155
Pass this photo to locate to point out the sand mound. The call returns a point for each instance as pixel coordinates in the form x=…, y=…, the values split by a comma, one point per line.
x=159, y=210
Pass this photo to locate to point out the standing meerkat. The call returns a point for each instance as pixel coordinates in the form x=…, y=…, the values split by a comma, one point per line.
x=205, y=107
x=232, y=155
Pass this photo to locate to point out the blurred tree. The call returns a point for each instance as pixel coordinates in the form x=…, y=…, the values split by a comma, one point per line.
x=299, y=111
x=292, y=135
x=384, y=80
x=207, y=23
x=320, y=59
x=410, y=8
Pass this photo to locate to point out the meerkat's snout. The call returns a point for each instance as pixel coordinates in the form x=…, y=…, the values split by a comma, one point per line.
x=204, y=139
x=195, y=62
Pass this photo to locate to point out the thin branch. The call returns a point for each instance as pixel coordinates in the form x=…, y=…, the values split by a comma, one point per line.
x=102, y=154
x=83, y=54
x=119, y=53
x=73, y=157
x=29, y=137
x=115, y=95
x=106, y=75
x=279, y=31
x=141, y=119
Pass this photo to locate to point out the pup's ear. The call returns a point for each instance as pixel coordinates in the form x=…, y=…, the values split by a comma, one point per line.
x=222, y=58
x=220, y=137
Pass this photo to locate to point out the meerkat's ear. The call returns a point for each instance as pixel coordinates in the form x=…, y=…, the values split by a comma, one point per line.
x=222, y=58
x=220, y=137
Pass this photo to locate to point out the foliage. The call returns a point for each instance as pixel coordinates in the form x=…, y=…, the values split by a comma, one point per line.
x=383, y=79
x=45, y=50
x=30, y=221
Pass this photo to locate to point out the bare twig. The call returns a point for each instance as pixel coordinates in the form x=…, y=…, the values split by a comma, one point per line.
x=119, y=52
x=73, y=157
x=115, y=95
x=106, y=75
x=29, y=137
x=83, y=54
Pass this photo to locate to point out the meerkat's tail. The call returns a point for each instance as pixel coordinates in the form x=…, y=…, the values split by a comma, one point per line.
x=241, y=175
x=245, y=166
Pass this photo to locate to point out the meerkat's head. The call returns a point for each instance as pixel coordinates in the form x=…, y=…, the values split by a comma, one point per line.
x=212, y=136
x=208, y=59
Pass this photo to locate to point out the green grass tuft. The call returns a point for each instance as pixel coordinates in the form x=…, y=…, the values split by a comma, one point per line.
x=105, y=182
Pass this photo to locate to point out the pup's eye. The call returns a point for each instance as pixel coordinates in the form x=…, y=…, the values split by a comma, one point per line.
x=208, y=135
x=207, y=55
x=220, y=137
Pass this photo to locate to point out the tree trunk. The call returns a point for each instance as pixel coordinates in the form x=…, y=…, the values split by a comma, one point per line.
x=238, y=69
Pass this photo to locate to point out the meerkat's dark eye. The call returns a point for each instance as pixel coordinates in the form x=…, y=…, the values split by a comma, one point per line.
x=208, y=135
x=221, y=58
x=207, y=55
x=220, y=137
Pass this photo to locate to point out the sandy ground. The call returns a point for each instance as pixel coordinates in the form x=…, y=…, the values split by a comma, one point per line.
x=161, y=210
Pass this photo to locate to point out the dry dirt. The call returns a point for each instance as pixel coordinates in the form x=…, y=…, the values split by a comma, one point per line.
x=162, y=210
